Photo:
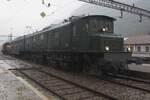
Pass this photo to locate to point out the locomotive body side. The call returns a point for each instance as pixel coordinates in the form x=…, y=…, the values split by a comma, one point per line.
x=59, y=39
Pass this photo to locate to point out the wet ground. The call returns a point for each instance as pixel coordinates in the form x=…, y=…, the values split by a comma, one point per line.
x=15, y=88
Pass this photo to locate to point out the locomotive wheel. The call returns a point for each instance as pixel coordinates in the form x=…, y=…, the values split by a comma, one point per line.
x=114, y=69
x=99, y=72
x=95, y=70
x=123, y=67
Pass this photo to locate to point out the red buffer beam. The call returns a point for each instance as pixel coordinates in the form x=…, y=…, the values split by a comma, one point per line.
x=120, y=6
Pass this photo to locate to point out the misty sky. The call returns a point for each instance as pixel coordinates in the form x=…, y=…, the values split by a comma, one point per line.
x=17, y=14
x=23, y=16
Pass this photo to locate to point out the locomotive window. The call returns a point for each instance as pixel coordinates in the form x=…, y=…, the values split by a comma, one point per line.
x=27, y=41
x=94, y=25
x=101, y=25
x=55, y=38
x=41, y=37
x=85, y=27
x=74, y=30
x=34, y=39
x=109, y=26
x=56, y=35
x=52, y=36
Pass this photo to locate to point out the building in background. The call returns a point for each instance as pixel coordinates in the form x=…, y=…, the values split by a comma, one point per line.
x=139, y=45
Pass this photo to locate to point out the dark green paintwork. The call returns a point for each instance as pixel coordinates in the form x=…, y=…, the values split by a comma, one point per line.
x=74, y=36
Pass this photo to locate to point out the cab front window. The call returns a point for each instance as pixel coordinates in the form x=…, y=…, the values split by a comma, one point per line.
x=101, y=25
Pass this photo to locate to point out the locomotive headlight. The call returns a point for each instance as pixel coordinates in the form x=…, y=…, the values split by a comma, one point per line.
x=104, y=29
x=107, y=48
x=129, y=49
x=8, y=46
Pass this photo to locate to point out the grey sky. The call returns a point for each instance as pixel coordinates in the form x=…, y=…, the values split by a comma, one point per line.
x=23, y=16
x=17, y=14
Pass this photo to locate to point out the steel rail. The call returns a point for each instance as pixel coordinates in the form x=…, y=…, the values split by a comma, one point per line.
x=61, y=96
x=130, y=86
x=83, y=87
x=131, y=78
x=41, y=85
x=31, y=68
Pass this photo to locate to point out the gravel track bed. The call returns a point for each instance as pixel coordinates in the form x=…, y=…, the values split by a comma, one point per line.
x=115, y=90
x=68, y=91
x=132, y=83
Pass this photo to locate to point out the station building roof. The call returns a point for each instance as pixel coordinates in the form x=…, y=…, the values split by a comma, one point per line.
x=139, y=39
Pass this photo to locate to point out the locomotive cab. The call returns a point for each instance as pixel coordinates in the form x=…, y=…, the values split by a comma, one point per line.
x=94, y=35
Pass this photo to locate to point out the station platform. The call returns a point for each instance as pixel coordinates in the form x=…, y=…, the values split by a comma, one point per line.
x=15, y=88
x=141, y=67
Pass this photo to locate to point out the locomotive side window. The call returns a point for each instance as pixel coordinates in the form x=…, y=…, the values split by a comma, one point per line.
x=34, y=39
x=41, y=37
x=94, y=25
x=86, y=27
x=80, y=28
x=27, y=41
x=74, y=30
x=52, y=34
x=56, y=35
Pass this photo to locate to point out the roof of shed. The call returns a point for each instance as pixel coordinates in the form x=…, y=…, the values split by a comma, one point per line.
x=139, y=39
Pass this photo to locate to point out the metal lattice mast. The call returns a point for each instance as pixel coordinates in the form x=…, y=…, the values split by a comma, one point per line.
x=120, y=6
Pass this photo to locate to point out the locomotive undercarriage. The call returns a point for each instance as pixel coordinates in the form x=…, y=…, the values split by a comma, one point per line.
x=91, y=63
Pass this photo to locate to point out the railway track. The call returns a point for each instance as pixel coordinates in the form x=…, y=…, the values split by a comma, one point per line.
x=127, y=77
x=142, y=85
x=65, y=89
x=68, y=90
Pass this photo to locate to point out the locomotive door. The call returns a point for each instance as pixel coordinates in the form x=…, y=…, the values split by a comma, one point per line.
x=79, y=36
x=75, y=37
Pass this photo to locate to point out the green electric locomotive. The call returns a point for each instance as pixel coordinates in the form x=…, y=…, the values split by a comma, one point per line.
x=83, y=44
